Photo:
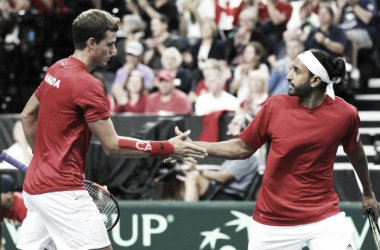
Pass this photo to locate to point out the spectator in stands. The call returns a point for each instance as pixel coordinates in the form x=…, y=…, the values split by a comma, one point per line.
x=134, y=51
x=12, y=205
x=236, y=174
x=22, y=5
x=357, y=18
x=56, y=7
x=199, y=87
x=240, y=36
x=257, y=93
x=193, y=13
x=156, y=10
x=20, y=149
x=217, y=99
x=5, y=18
x=111, y=103
x=278, y=84
x=273, y=17
x=167, y=100
x=134, y=101
x=172, y=60
x=207, y=47
x=132, y=26
x=254, y=59
x=328, y=37
x=160, y=40
x=302, y=21
x=227, y=15
x=12, y=202
x=23, y=24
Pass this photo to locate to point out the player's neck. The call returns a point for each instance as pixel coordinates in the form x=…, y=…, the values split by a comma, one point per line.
x=315, y=99
x=85, y=59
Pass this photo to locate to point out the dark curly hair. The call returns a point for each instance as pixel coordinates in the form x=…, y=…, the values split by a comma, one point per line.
x=336, y=68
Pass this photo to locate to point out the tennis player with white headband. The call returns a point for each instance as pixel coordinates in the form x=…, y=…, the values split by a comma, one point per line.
x=317, y=69
x=297, y=203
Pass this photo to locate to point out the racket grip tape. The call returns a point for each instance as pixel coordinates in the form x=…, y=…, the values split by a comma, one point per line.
x=6, y=157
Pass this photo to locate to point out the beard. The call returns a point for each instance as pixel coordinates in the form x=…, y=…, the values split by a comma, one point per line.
x=302, y=90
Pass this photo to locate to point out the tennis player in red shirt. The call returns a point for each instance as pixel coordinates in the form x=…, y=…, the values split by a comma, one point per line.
x=297, y=203
x=58, y=120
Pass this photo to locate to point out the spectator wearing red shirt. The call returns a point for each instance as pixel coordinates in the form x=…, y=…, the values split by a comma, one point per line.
x=135, y=98
x=167, y=100
x=12, y=203
x=274, y=16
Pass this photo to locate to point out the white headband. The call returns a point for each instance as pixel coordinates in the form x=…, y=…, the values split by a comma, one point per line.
x=317, y=69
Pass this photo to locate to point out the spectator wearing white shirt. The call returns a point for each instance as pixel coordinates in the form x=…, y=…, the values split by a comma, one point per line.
x=217, y=98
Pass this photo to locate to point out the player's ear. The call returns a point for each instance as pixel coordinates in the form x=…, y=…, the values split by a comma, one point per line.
x=315, y=81
x=91, y=42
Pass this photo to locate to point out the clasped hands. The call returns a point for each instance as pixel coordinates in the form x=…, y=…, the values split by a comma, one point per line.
x=184, y=149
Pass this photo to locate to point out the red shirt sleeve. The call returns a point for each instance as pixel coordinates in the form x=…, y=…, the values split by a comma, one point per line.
x=89, y=95
x=352, y=137
x=39, y=91
x=256, y=134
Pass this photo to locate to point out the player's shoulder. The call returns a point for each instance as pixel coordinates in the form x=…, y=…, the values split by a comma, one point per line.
x=344, y=106
x=281, y=99
x=84, y=80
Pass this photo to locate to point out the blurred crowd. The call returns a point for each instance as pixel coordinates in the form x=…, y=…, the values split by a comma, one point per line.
x=190, y=56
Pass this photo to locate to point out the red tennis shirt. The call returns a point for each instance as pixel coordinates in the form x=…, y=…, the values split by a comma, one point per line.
x=298, y=180
x=69, y=98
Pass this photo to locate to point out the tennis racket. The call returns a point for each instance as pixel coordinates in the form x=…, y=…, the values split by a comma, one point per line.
x=374, y=227
x=371, y=217
x=103, y=199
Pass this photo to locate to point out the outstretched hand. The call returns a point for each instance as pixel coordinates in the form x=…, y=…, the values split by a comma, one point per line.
x=180, y=133
x=183, y=148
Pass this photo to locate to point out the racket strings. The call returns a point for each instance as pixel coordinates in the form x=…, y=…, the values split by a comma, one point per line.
x=105, y=204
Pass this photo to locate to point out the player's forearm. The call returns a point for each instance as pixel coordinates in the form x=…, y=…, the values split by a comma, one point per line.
x=29, y=124
x=120, y=152
x=30, y=129
x=29, y=118
x=360, y=164
x=115, y=149
x=232, y=149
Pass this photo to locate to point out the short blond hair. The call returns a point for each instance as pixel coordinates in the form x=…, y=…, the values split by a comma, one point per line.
x=263, y=78
x=248, y=13
x=175, y=52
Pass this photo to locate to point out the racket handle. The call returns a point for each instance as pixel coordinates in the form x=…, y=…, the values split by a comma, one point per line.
x=6, y=157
